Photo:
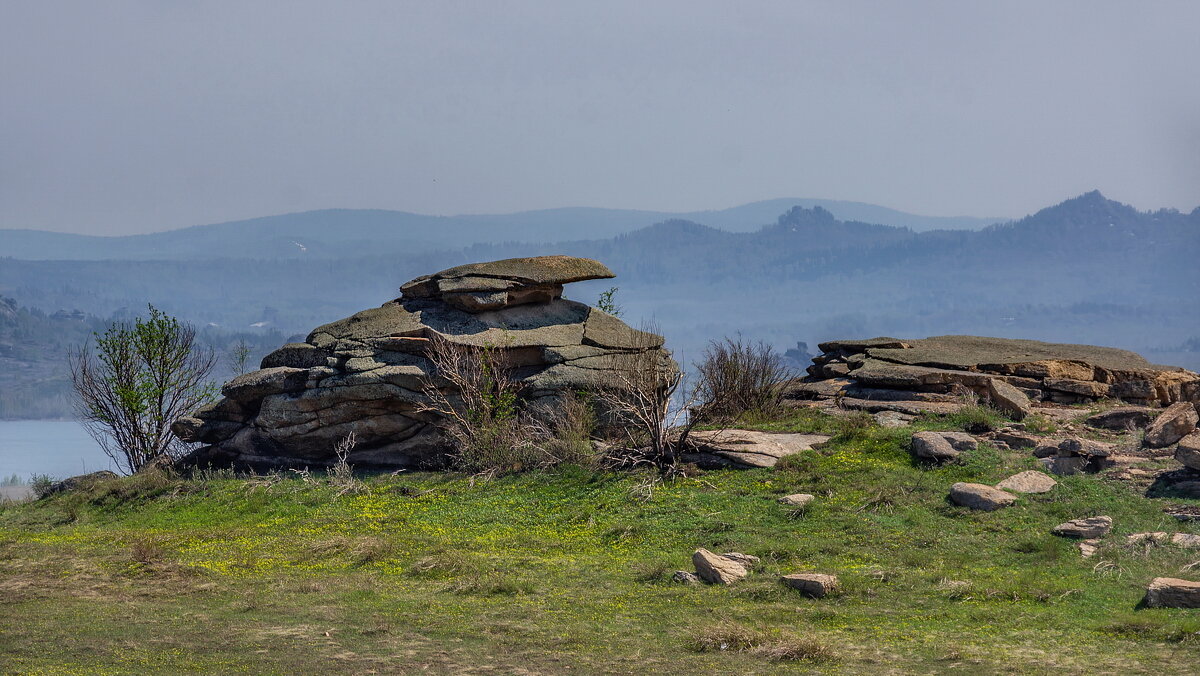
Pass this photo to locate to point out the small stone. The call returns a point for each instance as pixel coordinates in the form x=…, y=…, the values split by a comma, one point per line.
x=980, y=497
x=1186, y=540
x=1188, y=451
x=797, y=500
x=685, y=577
x=815, y=585
x=1031, y=481
x=1173, y=424
x=1167, y=592
x=1088, y=548
x=716, y=569
x=1157, y=538
x=1093, y=527
x=893, y=419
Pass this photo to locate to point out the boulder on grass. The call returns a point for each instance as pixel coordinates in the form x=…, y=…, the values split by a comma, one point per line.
x=1031, y=481
x=1188, y=451
x=1093, y=527
x=815, y=585
x=797, y=500
x=1168, y=592
x=980, y=497
x=79, y=482
x=941, y=446
x=1173, y=424
x=716, y=569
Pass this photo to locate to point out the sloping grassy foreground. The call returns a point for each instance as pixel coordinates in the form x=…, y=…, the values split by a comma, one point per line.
x=568, y=571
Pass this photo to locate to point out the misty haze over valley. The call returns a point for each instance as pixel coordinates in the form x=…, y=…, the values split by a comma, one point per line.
x=1087, y=270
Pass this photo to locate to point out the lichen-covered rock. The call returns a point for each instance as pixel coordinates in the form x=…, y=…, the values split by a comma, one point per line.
x=367, y=373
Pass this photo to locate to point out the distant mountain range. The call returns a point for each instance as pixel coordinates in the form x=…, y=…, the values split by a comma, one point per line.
x=338, y=233
x=1087, y=270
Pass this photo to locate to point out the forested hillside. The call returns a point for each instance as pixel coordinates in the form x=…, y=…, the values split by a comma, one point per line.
x=1088, y=270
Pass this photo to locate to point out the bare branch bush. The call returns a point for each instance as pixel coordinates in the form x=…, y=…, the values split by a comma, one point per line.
x=639, y=404
x=738, y=377
x=137, y=380
x=473, y=394
x=341, y=474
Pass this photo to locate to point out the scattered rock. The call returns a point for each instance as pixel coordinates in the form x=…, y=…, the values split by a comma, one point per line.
x=1167, y=592
x=745, y=448
x=746, y=560
x=1031, y=481
x=893, y=419
x=815, y=585
x=1188, y=451
x=797, y=500
x=1186, y=540
x=1092, y=527
x=1124, y=419
x=1074, y=455
x=685, y=577
x=1016, y=438
x=1008, y=399
x=1147, y=538
x=1173, y=424
x=941, y=446
x=980, y=497
x=716, y=569
x=1088, y=548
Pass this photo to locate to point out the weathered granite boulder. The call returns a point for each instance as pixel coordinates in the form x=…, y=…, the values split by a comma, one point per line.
x=719, y=568
x=941, y=446
x=1173, y=424
x=1169, y=592
x=980, y=497
x=742, y=449
x=367, y=373
x=816, y=585
x=1030, y=481
x=1010, y=374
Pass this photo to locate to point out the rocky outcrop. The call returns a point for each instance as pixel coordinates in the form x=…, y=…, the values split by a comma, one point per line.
x=367, y=373
x=1011, y=374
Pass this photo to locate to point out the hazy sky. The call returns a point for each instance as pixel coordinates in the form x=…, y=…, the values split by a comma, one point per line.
x=119, y=117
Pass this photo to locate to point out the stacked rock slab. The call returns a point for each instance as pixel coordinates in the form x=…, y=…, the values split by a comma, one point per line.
x=1009, y=373
x=367, y=373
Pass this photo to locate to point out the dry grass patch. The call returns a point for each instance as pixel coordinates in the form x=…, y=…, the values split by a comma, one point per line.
x=733, y=637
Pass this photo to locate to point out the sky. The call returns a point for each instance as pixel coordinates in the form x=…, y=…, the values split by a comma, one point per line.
x=127, y=117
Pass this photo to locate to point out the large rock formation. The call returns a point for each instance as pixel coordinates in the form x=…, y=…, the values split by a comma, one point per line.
x=1010, y=373
x=367, y=373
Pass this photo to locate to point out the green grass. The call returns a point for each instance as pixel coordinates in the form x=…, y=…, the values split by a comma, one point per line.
x=569, y=570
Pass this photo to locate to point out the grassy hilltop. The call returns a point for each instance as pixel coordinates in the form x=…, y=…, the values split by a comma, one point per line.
x=569, y=571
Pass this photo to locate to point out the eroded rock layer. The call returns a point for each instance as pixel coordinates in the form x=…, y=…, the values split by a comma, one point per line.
x=367, y=373
x=1009, y=373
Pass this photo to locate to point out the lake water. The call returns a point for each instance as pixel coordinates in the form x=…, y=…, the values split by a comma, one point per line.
x=58, y=448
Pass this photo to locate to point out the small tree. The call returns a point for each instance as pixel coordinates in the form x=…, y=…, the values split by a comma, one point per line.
x=138, y=380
